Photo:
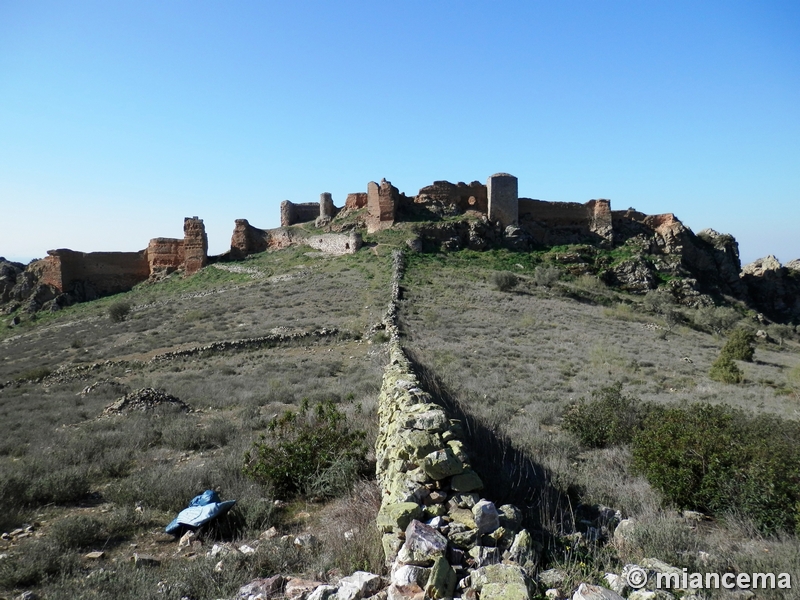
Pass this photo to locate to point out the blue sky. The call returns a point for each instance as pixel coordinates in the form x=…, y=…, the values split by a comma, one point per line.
x=118, y=119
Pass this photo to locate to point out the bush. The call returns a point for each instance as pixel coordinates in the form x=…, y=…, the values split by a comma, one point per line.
x=610, y=418
x=716, y=318
x=118, y=311
x=504, y=281
x=719, y=460
x=34, y=374
x=314, y=453
x=725, y=370
x=546, y=276
x=739, y=346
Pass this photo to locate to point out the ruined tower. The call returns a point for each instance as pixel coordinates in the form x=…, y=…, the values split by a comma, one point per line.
x=503, y=199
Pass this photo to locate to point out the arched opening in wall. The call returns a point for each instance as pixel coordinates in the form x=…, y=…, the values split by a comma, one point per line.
x=347, y=246
x=472, y=201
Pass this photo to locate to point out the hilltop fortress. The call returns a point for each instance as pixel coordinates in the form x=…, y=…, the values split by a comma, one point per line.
x=651, y=249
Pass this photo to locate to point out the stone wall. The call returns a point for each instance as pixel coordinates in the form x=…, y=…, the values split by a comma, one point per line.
x=247, y=240
x=165, y=255
x=356, y=200
x=334, y=243
x=460, y=195
x=382, y=203
x=106, y=272
x=440, y=536
x=503, y=203
x=326, y=207
x=195, y=245
x=556, y=223
x=292, y=213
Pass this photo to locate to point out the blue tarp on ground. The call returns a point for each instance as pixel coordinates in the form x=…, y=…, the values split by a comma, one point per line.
x=201, y=509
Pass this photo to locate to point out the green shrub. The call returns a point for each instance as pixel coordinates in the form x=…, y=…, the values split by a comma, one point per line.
x=716, y=318
x=119, y=311
x=504, y=281
x=740, y=345
x=309, y=452
x=609, y=418
x=725, y=370
x=719, y=460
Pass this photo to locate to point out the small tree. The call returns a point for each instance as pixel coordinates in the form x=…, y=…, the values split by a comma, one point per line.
x=725, y=370
x=740, y=345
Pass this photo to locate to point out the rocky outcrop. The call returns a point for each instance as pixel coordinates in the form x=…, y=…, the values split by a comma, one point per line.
x=774, y=289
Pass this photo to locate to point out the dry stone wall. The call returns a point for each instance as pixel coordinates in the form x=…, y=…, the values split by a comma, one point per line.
x=440, y=536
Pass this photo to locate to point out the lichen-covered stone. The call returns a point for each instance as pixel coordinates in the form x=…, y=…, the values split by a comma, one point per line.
x=505, y=591
x=418, y=444
x=464, y=517
x=442, y=580
x=499, y=574
x=522, y=551
x=398, y=515
x=486, y=517
x=441, y=464
x=510, y=517
x=422, y=546
x=468, y=481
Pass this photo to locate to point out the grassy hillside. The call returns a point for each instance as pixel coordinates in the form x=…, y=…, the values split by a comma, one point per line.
x=515, y=352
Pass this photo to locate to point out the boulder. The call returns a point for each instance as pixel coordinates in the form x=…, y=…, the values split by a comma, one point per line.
x=442, y=463
x=398, y=515
x=442, y=580
x=594, y=592
x=486, y=516
x=423, y=545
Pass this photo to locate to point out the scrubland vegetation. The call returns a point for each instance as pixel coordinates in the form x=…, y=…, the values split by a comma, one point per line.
x=606, y=392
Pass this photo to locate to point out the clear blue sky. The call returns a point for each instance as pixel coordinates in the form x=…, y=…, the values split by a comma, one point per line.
x=118, y=119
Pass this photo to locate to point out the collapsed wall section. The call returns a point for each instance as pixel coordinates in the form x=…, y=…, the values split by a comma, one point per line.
x=247, y=240
x=440, y=536
x=460, y=195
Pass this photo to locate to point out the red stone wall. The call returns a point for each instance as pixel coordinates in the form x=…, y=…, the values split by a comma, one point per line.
x=464, y=197
x=106, y=272
x=165, y=255
x=195, y=245
x=247, y=239
x=382, y=202
x=355, y=201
